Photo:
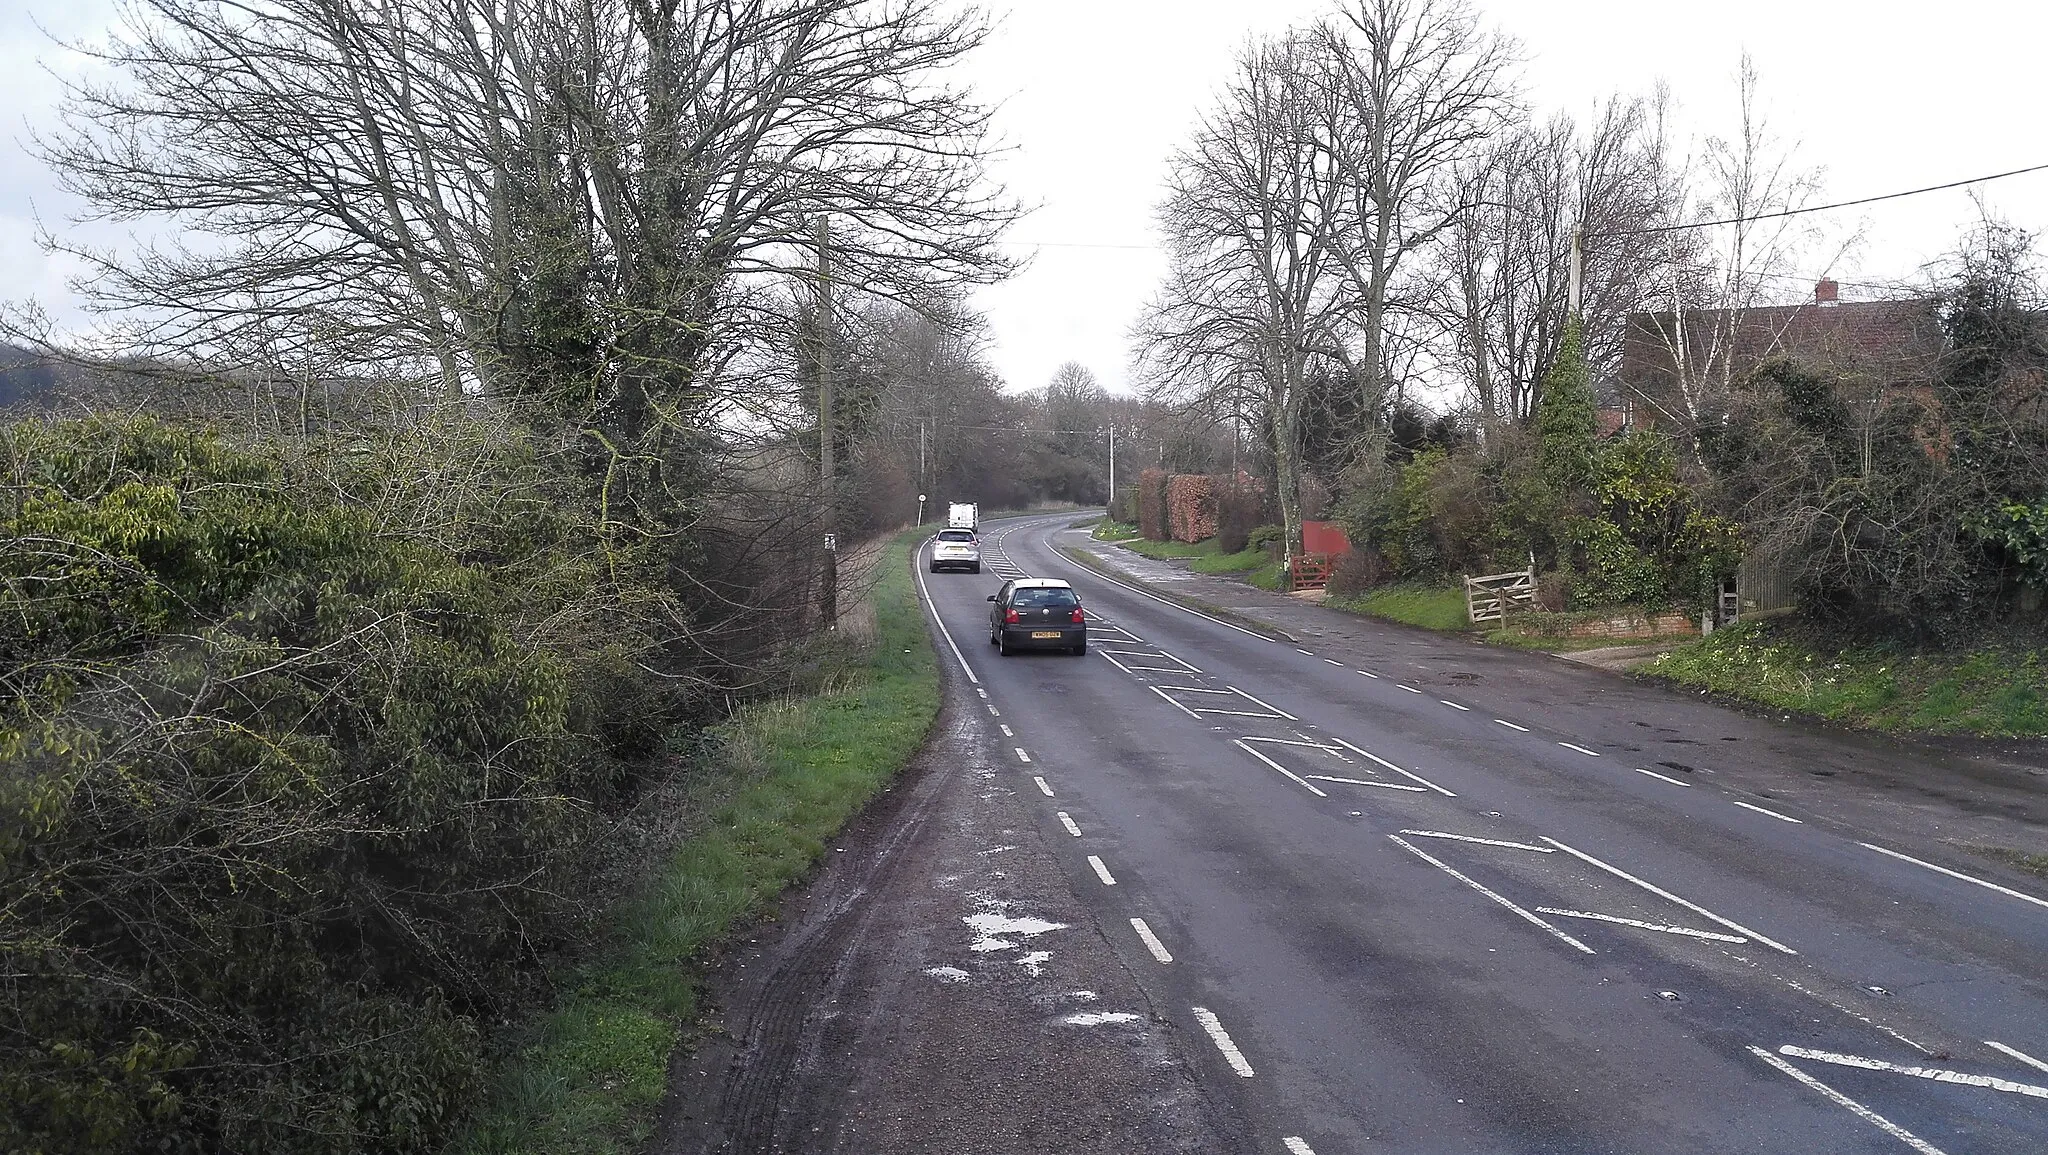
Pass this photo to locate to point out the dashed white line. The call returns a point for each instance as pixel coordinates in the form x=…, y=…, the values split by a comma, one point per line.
x=1067, y=820
x=1454, y=705
x=1151, y=940
x=1101, y=871
x=1956, y=874
x=1411, y=689
x=1510, y=725
x=1296, y=1145
x=1042, y=787
x=1859, y=1110
x=1580, y=749
x=1639, y=924
x=1311, y=787
x=1369, y=674
x=1006, y=732
x=1933, y=1074
x=2023, y=1057
x=1772, y=813
x=1021, y=755
x=1221, y=1038
x=1394, y=768
x=982, y=692
x=1481, y=841
x=1299, y=650
x=1660, y=892
x=1333, y=661
x=1662, y=778
x=1426, y=856
x=994, y=713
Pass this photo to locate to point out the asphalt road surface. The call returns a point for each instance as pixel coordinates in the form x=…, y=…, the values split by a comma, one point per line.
x=1395, y=894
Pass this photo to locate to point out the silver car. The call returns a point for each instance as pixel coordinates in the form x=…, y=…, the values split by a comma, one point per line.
x=956, y=549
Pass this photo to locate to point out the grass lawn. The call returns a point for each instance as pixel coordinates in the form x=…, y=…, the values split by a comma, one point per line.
x=1431, y=607
x=785, y=777
x=1107, y=530
x=1203, y=556
x=1997, y=690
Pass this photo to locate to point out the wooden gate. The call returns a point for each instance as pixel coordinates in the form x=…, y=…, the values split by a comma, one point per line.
x=1489, y=598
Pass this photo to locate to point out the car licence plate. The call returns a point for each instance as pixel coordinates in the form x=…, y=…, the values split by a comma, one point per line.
x=1045, y=634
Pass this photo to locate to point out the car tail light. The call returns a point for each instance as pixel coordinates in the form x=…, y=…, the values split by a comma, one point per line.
x=1010, y=615
x=1077, y=614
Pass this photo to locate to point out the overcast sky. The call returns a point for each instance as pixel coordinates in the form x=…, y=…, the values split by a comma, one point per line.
x=1095, y=94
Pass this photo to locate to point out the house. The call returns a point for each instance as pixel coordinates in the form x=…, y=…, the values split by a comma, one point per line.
x=1673, y=361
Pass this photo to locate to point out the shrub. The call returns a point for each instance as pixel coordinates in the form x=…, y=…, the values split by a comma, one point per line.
x=1152, y=521
x=1264, y=536
x=1240, y=506
x=1190, y=507
x=1354, y=573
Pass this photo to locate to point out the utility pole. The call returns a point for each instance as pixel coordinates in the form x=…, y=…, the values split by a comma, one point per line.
x=1576, y=293
x=825, y=433
x=1112, y=468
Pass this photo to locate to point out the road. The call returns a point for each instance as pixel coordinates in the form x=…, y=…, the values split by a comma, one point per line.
x=1393, y=894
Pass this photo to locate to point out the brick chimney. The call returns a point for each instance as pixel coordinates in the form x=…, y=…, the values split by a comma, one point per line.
x=1826, y=292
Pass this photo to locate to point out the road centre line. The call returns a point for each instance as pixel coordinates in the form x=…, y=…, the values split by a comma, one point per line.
x=1101, y=871
x=1580, y=749
x=1481, y=841
x=1333, y=661
x=1935, y=1074
x=1772, y=813
x=1021, y=755
x=1859, y=1110
x=1176, y=705
x=1511, y=725
x=1298, y=779
x=1164, y=601
x=1411, y=689
x=1067, y=820
x=943, y=631
x=1042, y=787
x=1296, y=1145
x=1956, y=874
x=1299, y=650
x=1425, y=856
x=1639, y=924
x=1364, y=782
x=1853, y=1013
x=1662, y=778
x=2023, y=1057
x=1660, y=892
x=1394, y=768
x=1151, y=941
x=1454, y=705
x=1267, y=705
x=1221, y=1038
x=1370, y=674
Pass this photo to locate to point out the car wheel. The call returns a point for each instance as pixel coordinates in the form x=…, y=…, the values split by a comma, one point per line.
x=1003, y=646
x=935, y=567
x=975, y=568
x=1081, y=648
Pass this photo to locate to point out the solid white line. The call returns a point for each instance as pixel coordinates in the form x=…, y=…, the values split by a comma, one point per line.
x=1176, y=705
x=1641, y=925
x=1296, y=1145
x=1425, y=856
x=1245, y=713
x=1511, y=725
x=1196, y=690
x=1333, y=661
x=1411, y=689
x=1288, y=742
x=1005, y=730
x=1957, y=874
x=943, y=631
x=1021, y=755
x=2029, y=1060
x=1094, y=573
x=1394, y=768
x=1113, y=661
x=1662, y=778
x=1934, y=1074
x=1067, y=820
x=1221, y=1038
x=1859, y=1110
x=1772, y=813
x=1152, y=942
x=1454, y=705
x=1101, y=871
x=1267, y=705
x=1042, y=787
x=1369, y=674
x=1480, y=841
x=1298, y=779
x=1580, y=749
x=1363, y=782
x=1160, y=670
x=1660, y=892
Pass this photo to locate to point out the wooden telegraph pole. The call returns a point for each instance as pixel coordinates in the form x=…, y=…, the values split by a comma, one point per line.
x=825, y=433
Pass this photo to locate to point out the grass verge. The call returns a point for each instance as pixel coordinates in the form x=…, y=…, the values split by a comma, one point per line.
x=2034, y=864
x=1107, y=530
x=1996, y=690
x=790, y=775
x=1431, y=607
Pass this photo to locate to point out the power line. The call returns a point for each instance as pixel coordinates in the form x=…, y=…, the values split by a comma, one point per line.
x=1821, y=208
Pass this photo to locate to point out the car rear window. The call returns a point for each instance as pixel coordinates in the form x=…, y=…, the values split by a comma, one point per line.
x=955, y=535
x=1042, y=597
